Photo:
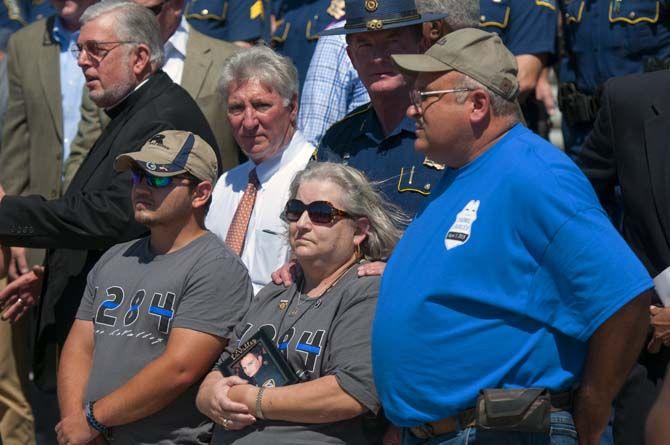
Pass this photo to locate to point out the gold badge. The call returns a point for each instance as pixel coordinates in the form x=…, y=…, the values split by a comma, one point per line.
x=283, y=304
x=375, y=25
x=371, y=5
x=336, y=9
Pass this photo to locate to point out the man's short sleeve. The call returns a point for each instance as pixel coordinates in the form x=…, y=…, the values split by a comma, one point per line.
x=594, y=272
x=349, y=354
x=217, y=294
x=86, y=311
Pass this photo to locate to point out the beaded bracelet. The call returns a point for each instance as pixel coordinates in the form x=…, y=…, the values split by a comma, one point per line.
x=90, y=418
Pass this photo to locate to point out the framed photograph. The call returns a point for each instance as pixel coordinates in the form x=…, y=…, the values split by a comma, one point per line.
x=259, y=362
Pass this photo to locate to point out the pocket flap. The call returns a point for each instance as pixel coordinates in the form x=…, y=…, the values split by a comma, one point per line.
x=510, y=403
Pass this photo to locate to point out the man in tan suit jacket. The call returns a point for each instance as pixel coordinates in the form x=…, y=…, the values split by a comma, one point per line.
x=199, y=77
x=31, y=162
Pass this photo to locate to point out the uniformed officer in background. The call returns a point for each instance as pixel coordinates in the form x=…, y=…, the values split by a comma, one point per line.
x=243, y=22
x=14, y=14
x=604, y=39
x=528, y=29
x=298, y=24
x=378, y=138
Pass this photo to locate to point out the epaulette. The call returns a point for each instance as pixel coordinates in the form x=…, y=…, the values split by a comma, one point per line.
x=356, y=111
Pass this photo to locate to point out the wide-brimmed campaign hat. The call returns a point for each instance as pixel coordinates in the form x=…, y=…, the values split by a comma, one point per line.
x=377, y=15
x=477, y=54
x=171, y=153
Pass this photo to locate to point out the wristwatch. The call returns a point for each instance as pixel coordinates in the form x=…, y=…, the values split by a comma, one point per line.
x=93, y=422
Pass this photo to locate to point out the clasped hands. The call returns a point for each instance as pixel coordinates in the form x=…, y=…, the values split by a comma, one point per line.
x=227, y=402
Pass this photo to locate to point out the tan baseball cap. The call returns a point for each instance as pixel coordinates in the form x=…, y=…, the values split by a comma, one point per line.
x=171, y=153
x=478, y=54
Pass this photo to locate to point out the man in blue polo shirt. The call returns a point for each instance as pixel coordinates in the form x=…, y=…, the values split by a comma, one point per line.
x=511, y=277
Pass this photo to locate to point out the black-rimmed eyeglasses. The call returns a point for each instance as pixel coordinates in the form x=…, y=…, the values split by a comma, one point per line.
x=96, y=50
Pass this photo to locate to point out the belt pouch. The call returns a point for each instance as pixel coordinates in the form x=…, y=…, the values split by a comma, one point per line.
x=526, y=410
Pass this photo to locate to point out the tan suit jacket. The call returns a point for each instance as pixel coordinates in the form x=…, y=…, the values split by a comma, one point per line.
x=200, y=78
x=31, y=158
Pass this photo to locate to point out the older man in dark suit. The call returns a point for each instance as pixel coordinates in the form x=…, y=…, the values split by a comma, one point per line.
x=120, y=52
x=193, y=60
x=629, y=148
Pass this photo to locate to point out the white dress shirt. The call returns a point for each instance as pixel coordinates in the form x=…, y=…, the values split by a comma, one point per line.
x=175, y=52
x=266, y=244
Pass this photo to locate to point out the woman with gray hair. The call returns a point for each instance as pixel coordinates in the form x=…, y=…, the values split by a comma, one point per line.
x=260, y=88
x=320, y=325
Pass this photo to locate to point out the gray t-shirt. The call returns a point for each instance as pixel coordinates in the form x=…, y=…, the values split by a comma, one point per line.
x=135, y=298
x=326, y=336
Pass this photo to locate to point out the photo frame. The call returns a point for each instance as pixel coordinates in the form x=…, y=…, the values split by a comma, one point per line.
x=258, y=361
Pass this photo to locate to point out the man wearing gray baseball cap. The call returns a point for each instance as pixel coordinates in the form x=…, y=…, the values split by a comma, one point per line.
x=156, y=310
x=512, y=274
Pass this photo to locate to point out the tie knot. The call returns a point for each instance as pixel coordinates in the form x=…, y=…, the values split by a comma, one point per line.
x=253, y=178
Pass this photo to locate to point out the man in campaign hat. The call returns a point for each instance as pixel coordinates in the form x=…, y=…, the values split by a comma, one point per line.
x=512, y=274
x=377, y=138
x=155, y=311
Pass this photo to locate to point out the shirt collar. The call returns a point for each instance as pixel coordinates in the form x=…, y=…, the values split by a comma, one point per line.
x=267, y=168
x=373, y=129
x=62, y=35
x=178, y=39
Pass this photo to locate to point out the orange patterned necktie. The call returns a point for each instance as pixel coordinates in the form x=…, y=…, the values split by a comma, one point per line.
x=238, y=227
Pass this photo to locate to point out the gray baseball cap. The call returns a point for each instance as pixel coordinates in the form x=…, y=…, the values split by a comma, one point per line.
x=478, y=54
x=171, y=153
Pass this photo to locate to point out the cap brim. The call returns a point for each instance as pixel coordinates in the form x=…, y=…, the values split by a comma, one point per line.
x=344, y=30
x=420, y=63
x=147, y=162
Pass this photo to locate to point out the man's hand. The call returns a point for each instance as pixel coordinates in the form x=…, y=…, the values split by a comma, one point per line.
x=374, y=269
x=75, y=430
x=213, y=401
x=21, y=294
x=2, y=193
x=660, y=321
x=285, y=274
x=544, y=93
x=19, y=263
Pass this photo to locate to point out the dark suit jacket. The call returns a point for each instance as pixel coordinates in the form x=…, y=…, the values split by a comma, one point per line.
x=630, y=147
x=95, y=212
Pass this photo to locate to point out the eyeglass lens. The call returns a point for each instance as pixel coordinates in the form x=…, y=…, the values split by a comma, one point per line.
x=320, y=212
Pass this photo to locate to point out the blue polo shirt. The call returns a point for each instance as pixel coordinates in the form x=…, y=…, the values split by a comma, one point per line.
x=499, y=282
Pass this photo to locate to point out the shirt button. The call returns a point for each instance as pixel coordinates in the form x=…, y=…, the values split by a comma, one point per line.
x=426, y=187
x=482, y=18
x=631, y=14
x=205, y=11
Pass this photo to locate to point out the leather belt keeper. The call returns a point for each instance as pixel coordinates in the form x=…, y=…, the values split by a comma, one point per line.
x=561, y=401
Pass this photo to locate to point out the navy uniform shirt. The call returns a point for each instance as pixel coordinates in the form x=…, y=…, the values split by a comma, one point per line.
x=525, y=26
x=299, y=25
x=38, y=9
x=401, y=173
x=230, y=20
x=609, y=38
x=13, y=15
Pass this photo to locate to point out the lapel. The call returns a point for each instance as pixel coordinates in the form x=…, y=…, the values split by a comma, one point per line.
x=121, y=115
x=48, y=65
x=196, y=64
x=657, y=145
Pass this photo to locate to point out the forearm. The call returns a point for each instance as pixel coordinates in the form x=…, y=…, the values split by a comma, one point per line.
x=612, y=351
x=530, y=68
x=319, y=401
x=73, y=372
x=152, y=389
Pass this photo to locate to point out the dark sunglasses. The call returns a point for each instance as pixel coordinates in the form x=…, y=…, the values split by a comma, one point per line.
x=158, y=182
x=320, y=212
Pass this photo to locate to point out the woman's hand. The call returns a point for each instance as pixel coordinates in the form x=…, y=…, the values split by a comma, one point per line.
x=213, y=401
